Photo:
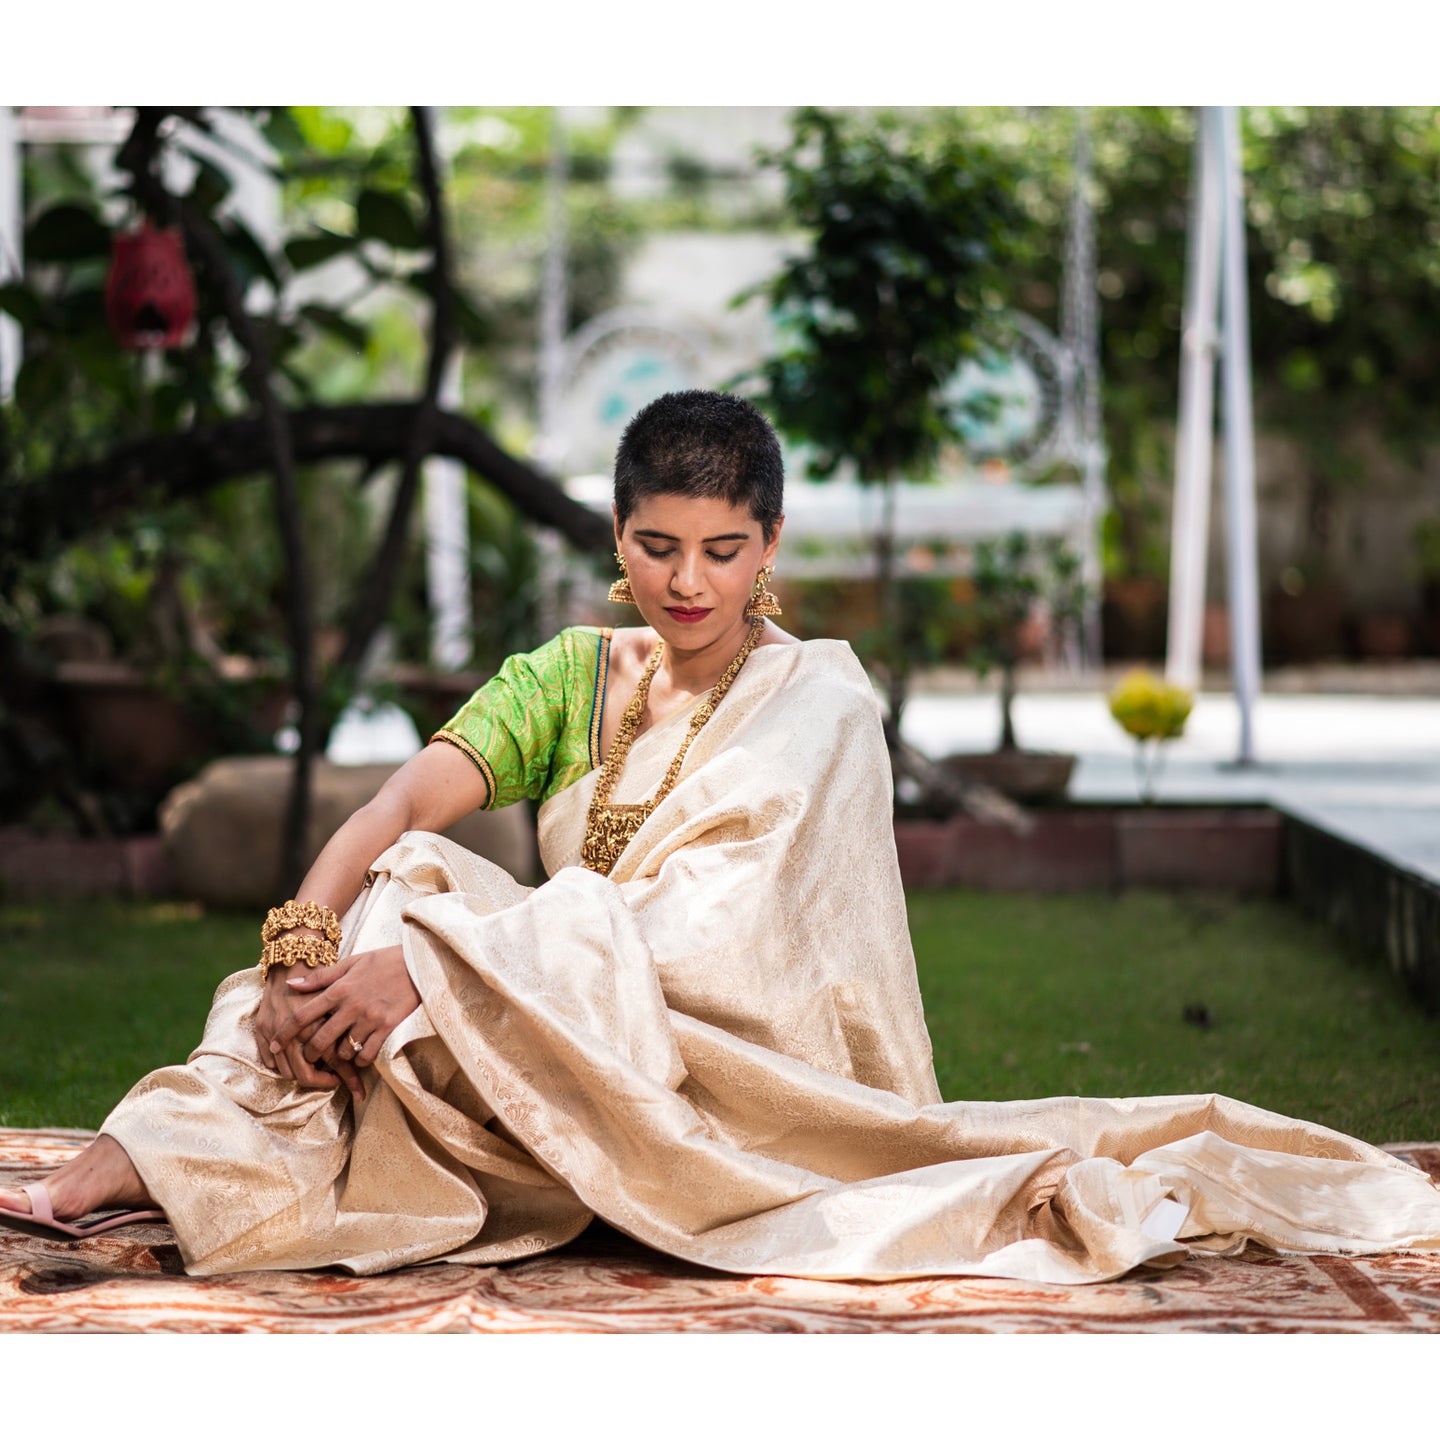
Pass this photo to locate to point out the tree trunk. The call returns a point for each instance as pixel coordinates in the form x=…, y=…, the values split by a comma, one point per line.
x=894, y=664
x=138, y=157
x=1007, y=700
x=378, y=587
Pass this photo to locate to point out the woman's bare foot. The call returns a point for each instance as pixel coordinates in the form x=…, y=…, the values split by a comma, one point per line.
x=100, y=1177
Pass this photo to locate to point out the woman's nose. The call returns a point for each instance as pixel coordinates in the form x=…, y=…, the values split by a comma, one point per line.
x=684, y=578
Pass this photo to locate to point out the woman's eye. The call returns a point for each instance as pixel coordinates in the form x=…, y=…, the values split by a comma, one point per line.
x=657, y=554
x=724, y=559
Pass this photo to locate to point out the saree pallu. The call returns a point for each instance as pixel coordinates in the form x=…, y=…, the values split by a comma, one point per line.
x=721, y=1050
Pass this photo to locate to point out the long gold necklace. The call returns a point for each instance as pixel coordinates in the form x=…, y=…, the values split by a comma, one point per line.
x=610, y=828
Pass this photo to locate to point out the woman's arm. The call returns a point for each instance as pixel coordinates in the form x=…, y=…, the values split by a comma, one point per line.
x=429, y=792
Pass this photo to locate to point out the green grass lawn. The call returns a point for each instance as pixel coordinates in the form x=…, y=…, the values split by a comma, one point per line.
x=1087, y=994
x=94, y=995
x=1025, y=996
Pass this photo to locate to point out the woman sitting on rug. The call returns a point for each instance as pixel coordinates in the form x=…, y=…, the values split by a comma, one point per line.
x=704, y=1027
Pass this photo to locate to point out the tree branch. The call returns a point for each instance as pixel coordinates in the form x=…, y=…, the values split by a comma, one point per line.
x=58, y=507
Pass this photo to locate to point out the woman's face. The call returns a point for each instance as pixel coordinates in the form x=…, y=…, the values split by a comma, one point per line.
x=692, y=565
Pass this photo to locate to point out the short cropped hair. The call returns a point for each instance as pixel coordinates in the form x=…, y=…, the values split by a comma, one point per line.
x=702, y=443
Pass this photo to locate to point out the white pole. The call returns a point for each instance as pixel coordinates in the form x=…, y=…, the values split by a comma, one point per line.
x=447, y=546
x=12, y=242
x=1190, y=520
x=1081, y=332
x=1239, y=445
x=447, y=522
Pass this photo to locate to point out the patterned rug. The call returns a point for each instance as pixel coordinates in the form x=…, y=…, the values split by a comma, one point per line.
x=131, y=1280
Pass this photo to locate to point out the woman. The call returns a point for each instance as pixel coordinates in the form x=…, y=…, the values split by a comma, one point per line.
x=705, y=1027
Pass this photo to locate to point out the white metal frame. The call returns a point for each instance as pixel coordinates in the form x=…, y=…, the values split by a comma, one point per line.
x=1216, y=322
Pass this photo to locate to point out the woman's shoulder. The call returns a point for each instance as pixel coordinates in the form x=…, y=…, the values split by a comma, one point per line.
x=821, y=667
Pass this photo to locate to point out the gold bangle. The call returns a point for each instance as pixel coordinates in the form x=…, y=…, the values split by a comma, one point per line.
x=292, y=914
x=290, y=948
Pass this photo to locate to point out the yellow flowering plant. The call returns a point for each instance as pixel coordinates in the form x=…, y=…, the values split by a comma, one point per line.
x=1153, y=711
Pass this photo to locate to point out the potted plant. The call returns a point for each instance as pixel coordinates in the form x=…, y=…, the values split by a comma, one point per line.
x=1153, y=712
x=1012, y=579
x=911, y=230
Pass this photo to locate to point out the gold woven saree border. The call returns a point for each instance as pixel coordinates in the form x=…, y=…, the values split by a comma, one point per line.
x=597, y=700
x=481, y=762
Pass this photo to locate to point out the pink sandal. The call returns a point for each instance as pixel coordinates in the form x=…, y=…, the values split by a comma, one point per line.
x=42, y=1221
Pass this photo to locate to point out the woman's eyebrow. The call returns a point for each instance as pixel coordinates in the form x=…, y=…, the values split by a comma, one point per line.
x=708, y=540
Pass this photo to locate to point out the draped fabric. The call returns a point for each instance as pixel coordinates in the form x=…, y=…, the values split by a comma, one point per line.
x=721, y=1050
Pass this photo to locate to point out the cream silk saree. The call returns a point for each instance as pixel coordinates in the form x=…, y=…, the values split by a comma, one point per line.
x=721, y=1050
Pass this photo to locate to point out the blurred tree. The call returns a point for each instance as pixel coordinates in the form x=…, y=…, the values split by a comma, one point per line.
x=1343, y=242
x=234, y=402
x=903, y=275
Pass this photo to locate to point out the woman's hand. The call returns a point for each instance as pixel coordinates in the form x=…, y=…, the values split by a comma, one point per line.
x=277, y=1006
x=360, y=999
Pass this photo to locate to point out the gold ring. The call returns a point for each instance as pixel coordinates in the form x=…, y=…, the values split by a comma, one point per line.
x=355, y=1046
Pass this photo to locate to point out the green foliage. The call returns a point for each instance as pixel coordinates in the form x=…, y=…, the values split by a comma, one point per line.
x=1425, y=539
x=902, y=277
x=909, y=229
x=1011, y=577
x=925, y=619
x=1343, y=206
x=1343, y=218
x=499, y=190
x=504, y=570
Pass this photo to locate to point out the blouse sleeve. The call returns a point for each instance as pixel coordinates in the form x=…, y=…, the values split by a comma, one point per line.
x=510, y=726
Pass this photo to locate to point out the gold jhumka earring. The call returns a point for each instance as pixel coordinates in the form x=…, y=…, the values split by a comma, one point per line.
x=620, y=591
x=762, y=601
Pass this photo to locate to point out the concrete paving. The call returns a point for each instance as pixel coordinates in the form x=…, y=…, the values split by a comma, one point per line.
x=1364, y=766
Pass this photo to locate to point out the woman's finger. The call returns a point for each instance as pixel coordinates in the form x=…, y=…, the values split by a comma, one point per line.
x=374, y=1044
x=307, y=1074
x=349, y=1075
x=307, y=1012
x=329, y=1039
x=319, y=977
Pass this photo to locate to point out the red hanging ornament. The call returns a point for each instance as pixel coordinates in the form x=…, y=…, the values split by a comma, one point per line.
x=150, y=292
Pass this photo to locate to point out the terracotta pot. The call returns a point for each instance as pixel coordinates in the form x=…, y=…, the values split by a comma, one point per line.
x=1025, y=775
x=1306, y=627
x=1383, y=635
x=1430, y=617
x=431, y=697
x=1215, y=638
x=130, y=728
x=139, y=736
x=1133, y=614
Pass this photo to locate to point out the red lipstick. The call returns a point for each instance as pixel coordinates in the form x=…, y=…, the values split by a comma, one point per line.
x=684, y=616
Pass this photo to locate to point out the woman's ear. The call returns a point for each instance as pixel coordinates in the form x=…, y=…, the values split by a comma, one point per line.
x=773, y=544
x=615, y=516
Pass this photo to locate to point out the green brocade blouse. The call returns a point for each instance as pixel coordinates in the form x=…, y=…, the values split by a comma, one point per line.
x=534, y=728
